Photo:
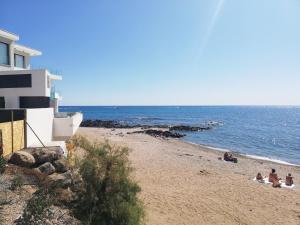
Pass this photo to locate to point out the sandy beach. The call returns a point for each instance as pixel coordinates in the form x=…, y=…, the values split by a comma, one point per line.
x=187, y=184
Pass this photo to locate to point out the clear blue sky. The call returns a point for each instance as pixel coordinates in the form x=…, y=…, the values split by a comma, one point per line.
x=164, y=52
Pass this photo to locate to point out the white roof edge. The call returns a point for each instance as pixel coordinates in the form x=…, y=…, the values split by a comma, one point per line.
x=30, y=51
x=55, y=77
x=9, y=35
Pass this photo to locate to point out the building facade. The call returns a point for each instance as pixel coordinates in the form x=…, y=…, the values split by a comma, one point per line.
x=31, y=91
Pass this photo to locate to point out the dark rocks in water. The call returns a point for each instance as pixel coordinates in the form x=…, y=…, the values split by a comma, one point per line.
x=112, y=124
x=103, y=124
x=189, y=128
x=159, y=133
x=162, y=133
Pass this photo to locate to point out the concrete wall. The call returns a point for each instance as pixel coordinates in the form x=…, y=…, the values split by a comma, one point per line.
x=39, y=87
x=41, y=121
x=66, y=126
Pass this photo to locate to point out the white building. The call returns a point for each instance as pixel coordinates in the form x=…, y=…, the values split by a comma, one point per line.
x=32, y=90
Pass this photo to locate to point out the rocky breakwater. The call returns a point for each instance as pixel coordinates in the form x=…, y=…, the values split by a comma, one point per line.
x=153, y=130
x=189, y=128
x=112, y=124
x=159, y=133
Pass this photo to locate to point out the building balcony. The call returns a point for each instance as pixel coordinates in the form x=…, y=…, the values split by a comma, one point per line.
x=66, y=124
x=27, y=83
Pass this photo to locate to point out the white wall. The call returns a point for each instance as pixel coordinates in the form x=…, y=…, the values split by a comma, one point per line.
x=66, y=126
x=39, y=87
x=41, y=121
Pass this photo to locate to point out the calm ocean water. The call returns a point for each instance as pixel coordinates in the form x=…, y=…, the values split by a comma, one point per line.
x=272, y=132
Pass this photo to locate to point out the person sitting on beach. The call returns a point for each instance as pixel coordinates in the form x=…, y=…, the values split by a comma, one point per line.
x=273, y=176
x=229, y=157
x=259, y=177
x=276, y=183
x=289, y=180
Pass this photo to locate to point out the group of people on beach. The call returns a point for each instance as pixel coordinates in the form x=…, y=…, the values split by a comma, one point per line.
x=273, y=177
x=275, y=180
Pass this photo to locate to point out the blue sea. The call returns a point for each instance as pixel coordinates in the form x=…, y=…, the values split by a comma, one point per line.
x=271, y=132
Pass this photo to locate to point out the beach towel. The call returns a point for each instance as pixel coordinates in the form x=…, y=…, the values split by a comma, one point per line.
x=283, y=185
x=266, y=181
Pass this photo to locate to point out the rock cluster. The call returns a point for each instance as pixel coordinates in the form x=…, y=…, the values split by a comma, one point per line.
x=116, y=124
x=104, y=124
x=189, y=128
x=46, y=160
x=159, y=133
x=150, y=129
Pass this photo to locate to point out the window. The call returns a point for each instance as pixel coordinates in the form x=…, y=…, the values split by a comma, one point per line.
x=33, y=102
x=4, y=54
x=16, y=81
x=19, y=61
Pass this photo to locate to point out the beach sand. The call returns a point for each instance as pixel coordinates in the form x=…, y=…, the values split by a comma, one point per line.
x=187, y=184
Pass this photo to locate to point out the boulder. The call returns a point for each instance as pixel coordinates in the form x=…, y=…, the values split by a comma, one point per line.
x=46, y=168
x=62, y=180
x=47, y=154
x=22, y=158
x=61, y=165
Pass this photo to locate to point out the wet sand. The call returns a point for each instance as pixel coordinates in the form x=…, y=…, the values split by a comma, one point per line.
x=187, y=184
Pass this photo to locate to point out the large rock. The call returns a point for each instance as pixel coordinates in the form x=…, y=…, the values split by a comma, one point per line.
x=62, y=180
x=61, y=165
x=46, y=168
x=22, y=158
x=47, y=154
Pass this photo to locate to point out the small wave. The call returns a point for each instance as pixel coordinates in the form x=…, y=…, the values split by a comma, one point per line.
x=248, y=155
x=214, y=123
x=271, y=160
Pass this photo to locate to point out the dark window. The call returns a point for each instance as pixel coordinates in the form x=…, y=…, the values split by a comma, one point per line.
x=34, y=102
x=9, y=115
x=19, y=61
x=4, y=53
x=15, y=81
x=2, y=102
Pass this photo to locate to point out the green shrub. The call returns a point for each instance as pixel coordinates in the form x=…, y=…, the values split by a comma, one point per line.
x=2, y=164
x=109, y=195
x=16, y=183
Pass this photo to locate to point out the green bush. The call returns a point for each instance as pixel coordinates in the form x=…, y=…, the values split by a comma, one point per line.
x=2, y=164
x=109, y=195
x=16, y=183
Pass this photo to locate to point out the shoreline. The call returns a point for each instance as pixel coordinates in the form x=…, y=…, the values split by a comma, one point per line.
x=249, y=156
x=186, y=184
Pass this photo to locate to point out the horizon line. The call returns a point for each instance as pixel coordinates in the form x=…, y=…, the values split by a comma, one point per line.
x=255, y=105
